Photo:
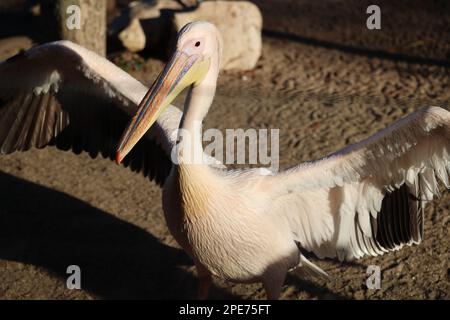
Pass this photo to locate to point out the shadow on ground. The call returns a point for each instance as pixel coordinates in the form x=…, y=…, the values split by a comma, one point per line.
x=53, y=230
x=321, y=292
x=50, y=229
x=367, y=52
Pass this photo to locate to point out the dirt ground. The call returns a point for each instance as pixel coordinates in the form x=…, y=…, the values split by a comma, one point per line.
x=323, y=79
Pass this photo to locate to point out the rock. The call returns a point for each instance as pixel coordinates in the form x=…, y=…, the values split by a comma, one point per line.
x=145, y=10
x=189, y=3
x=147, y=26
x=150, y=24
x=133, y=37
x=240, y=23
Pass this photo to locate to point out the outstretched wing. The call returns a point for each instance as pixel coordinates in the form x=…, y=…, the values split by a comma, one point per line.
x=368, y=198
x=65, y=95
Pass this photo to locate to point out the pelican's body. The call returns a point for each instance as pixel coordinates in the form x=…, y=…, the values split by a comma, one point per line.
x=241, y=225
x=237, y=243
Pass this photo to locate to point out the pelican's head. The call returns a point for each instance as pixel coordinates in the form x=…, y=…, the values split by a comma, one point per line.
x=195, y=59
x=200, y=37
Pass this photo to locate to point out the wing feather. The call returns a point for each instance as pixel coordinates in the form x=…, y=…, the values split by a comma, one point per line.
x=371, y=194
x=64, y=95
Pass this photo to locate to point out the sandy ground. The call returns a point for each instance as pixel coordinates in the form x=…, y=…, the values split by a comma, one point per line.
x=323, y=80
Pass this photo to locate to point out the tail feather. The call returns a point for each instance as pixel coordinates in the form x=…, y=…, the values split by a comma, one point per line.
x=306, y=267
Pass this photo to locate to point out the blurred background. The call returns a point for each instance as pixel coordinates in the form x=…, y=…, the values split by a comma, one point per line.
x=309, y=68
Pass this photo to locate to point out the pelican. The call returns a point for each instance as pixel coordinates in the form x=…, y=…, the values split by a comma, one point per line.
x=240, y=225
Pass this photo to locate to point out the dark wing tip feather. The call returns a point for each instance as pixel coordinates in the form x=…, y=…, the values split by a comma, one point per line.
x=400, y=220
x=73, y=116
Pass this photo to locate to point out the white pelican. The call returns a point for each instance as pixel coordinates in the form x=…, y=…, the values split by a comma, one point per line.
x=241, y=225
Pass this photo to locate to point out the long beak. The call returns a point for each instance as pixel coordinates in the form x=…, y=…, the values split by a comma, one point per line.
x=182, y=71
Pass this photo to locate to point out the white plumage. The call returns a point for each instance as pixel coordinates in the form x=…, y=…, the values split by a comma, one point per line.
x=240, y=225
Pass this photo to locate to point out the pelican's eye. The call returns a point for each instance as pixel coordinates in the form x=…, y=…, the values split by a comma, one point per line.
x=193, y=46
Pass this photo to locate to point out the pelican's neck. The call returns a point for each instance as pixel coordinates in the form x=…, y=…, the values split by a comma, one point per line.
x=197, y=180
x=197, y=104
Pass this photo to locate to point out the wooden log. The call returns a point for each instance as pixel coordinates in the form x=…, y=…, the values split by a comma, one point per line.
x=83, y=22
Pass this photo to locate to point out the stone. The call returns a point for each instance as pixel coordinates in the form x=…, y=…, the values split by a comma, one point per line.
x=240, y=23
x=133, y=37
x=146, y=10
x=146, y=25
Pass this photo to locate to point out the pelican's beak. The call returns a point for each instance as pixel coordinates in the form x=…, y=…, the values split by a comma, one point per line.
x=182, y=71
